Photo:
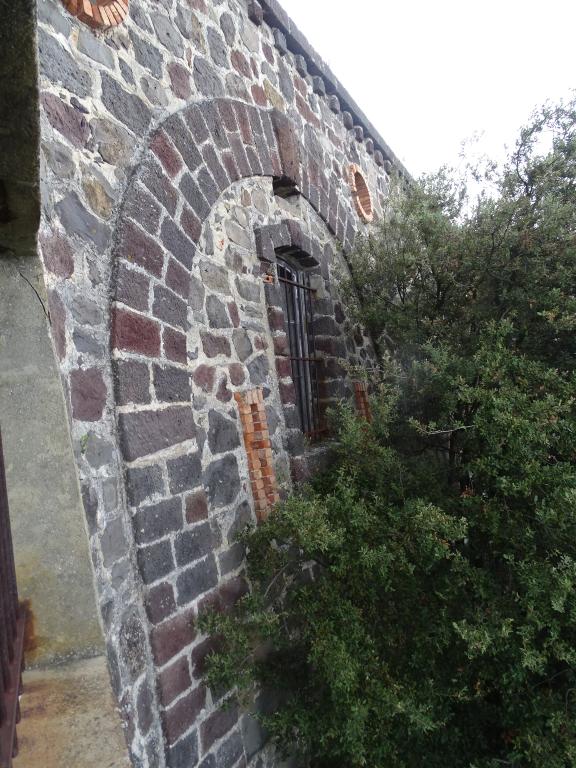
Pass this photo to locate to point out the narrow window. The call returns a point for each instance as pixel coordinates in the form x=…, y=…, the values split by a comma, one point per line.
x=305, y=364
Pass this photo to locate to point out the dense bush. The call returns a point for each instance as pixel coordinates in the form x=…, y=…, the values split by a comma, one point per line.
x=418, y=605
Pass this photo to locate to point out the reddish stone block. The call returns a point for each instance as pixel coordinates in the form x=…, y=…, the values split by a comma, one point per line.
x=283, y=367
x=260, y=343
x=167, y=153
x=182, y=716
x=281, y=345
x=237, y=374
x=230, y=166
x=138, y=248
x=244, y=123
x=224, y=393
x=259, y=95
x=179, y=80
x=160, y=603
x=57, y=254
x=217, y=725
x=234, y=313
x=67, y=120
x=288, y=144
x=240, y=63
x=174, y=680
x=191, y=224
x=135, y=333
x=287, y=393
x=174, y=344
x=215, y=345
x=88, y=394
x=196, y=507
x=268, y=52
x=171, y=637
x=276, y=319
x=204, y=376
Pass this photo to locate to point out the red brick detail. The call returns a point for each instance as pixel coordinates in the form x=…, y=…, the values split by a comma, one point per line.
x=362, y=402
x=259, y=451
x=100, y=14
x=135, y=333
x=361, y=194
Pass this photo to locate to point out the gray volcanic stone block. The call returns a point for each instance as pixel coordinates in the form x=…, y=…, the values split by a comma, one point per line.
x=146, y=432
x=132, y=380
x=180, y=246
x=318, y=86
x=196, y=580
x=146, y=54
x=242, y=343
x=222, y=433
x=301, y=65
x=218, y=49
x=194, y=196
x=113, y=542
x=158, y=520
x=280, y=41
x=184, y=473
x=222, y=481
x=228, y=28
x=143, y=482
x=217, y=314
x=185, y=753
x=194, y=544
x=255, y=12
x=258, y=370
x=155, y=561
x=206, y=79
x=60, y=67
x=230, y=751
x=126, y=107
x=169, y=307
x=172, y=384
x=90, y=45
x=167, y=34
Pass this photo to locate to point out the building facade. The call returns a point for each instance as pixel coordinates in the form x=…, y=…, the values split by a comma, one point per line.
x=203, y=176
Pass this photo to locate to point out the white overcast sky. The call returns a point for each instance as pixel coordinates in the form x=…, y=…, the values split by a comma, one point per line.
x=431, y=74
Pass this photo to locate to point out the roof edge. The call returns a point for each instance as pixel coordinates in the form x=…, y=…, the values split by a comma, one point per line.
x=298, y=44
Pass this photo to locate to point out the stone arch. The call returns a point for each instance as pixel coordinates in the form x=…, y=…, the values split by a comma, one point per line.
x=189, y=161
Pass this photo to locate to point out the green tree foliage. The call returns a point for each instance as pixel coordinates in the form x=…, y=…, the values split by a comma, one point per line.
x=417, y=606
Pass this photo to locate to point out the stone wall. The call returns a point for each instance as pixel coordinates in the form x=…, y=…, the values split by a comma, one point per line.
x=181, y=150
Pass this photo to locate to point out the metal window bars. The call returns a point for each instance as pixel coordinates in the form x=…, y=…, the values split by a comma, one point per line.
x=305, y=364
x=11, y=634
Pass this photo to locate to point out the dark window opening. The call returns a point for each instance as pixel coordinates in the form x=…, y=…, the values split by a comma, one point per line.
x=298, y=295
x=284, y=187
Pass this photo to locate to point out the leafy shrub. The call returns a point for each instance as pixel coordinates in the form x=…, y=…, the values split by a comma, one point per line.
x=417, y=606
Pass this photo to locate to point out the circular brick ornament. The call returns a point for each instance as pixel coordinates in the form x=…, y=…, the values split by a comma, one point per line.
x=98, y=14
x=361, y=194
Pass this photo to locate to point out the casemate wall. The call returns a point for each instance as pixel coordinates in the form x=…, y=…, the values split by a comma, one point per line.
x=187, y=147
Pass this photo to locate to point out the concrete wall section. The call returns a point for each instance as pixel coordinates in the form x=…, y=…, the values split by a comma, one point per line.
x=49, y=529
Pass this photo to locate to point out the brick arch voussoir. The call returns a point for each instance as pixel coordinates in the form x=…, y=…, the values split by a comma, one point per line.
x=194, y=154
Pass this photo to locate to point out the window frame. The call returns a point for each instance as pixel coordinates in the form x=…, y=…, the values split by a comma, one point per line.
x=297, y=298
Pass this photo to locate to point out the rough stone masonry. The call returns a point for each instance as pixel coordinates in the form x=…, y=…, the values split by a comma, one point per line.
x=185, y=144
